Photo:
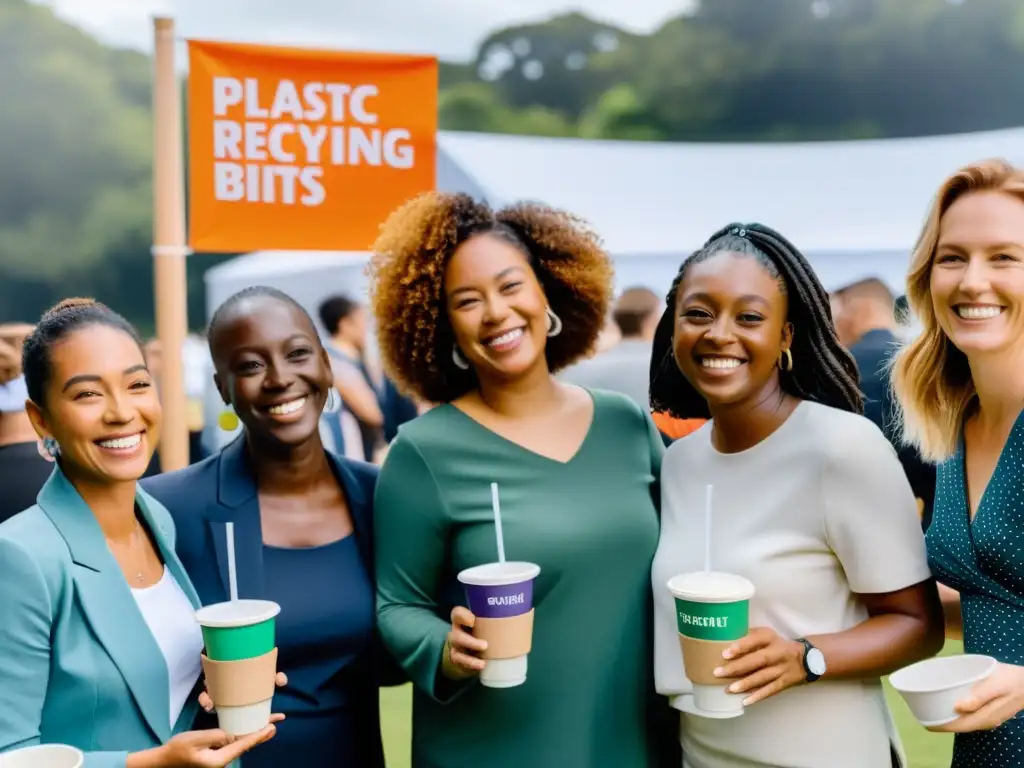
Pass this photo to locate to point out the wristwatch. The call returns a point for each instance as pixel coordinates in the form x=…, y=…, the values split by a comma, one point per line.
x=814, y=660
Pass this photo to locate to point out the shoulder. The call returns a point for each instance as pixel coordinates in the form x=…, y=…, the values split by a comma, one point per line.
x=195, y=478
x=848, y=440
x=616, y=405
x=683, y=449
x=187, y=489
x=31, y=543
x=363, y=472
x=433, y=429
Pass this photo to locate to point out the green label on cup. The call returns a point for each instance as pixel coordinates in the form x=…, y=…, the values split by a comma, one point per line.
x=718, y=622
x=239, y=643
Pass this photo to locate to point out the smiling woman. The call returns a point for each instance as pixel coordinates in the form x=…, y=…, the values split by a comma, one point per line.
x=302, y=516
x=107, y=662
x=816, y=508
x=477, y=309
x=962, y=392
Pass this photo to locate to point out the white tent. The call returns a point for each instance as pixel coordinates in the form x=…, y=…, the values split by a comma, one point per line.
x=853, y=207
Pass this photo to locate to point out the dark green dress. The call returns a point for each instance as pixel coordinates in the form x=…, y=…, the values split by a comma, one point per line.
x=592, y=526
x=984, y=560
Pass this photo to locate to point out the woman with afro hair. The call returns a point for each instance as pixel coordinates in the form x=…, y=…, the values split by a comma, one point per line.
x=476, y=310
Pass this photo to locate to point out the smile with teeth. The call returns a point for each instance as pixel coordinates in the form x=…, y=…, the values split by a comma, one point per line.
x=285, y=408
x=721, y=362
x=121, y=443
x=505, y=339
x=976, y=312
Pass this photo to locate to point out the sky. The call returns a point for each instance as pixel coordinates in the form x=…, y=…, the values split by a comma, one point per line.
x=450, y=29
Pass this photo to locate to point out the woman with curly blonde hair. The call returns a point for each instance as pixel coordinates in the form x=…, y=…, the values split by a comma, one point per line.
x=961, y=388
x=476, y=310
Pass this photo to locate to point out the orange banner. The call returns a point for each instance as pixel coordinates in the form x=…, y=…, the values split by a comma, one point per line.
x=298, y=149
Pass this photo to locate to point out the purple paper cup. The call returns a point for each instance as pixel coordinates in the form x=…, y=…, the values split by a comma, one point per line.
x=500, y=595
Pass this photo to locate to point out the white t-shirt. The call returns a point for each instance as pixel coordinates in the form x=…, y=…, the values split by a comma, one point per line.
x=814, y=514
x=172, y=620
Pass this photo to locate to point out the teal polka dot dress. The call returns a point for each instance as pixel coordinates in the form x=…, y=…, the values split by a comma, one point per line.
x=984, y=560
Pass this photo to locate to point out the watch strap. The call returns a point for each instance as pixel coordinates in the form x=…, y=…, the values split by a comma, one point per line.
x=808, y=647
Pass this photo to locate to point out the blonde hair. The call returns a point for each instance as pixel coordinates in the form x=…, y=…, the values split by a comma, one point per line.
x=931, y=377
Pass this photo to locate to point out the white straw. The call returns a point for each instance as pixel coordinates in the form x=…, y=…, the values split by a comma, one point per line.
x=707, y=526
x=497, y=522
x=232, y=575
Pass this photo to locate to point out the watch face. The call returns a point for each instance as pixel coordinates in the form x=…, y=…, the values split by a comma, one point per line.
x=816, y=662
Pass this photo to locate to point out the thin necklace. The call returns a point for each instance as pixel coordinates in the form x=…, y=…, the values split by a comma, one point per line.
x=138, y=545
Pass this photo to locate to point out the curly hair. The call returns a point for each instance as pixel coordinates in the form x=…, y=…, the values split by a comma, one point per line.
x=407, y=284
x=823, y=371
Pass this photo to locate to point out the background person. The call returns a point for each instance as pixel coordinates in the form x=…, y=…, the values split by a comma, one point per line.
x=624, y=367
x=868, y=313
x=23, y=469
x=476, y=310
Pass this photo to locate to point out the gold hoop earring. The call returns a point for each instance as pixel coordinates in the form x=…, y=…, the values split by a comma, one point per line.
x=786, y=360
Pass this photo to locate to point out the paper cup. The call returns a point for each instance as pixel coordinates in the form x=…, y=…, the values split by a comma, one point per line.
x=712, y=612
x=43, y=756
x=932, y=687
x=242, y=691
x=500, y=595
x=234, y=631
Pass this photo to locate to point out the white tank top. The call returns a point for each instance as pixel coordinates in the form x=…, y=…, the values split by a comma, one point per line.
x=172, y=621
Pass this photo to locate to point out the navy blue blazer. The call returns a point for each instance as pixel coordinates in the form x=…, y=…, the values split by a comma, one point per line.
x=203, y=497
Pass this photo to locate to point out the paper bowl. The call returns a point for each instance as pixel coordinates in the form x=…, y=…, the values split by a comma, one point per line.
x=43, y=756
x=932, y=687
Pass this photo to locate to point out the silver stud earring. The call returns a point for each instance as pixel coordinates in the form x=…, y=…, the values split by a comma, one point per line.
x=52, y=448
x=554, y=322
x=459, y=360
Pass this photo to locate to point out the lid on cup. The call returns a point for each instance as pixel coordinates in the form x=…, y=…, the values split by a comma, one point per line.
x=238, y=613
x=494, y=574
x=710, y=587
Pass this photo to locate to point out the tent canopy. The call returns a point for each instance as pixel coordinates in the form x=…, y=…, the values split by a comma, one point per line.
x=654, y=198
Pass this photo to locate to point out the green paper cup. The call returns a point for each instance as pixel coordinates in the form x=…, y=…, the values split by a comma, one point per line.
x=239, y=630
x=712, y=612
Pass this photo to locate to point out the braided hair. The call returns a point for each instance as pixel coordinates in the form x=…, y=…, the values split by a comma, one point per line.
x=823, y=371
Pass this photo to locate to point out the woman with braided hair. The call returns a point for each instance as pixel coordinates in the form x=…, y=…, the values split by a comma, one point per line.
x=810, y=504
x=476, y=310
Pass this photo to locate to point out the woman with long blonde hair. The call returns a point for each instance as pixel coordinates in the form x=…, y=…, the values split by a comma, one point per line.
x=961, y=388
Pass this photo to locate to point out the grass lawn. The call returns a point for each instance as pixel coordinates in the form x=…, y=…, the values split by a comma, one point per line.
x=925, y=750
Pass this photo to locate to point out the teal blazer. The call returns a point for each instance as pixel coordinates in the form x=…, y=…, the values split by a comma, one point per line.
x=78, y=664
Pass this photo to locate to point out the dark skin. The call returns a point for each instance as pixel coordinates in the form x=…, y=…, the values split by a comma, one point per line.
x=493, y=294
x=272, y=368
x=731, y=329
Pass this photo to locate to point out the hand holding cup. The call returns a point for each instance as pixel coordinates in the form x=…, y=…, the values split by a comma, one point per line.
x=206, y=749
x=462, y=650
x=765, y=662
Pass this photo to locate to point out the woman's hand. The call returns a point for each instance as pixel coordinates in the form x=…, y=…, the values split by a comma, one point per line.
x=208, y=749
x=461, y=657
x=280, y=681
x=992, y=702
x=766, y=664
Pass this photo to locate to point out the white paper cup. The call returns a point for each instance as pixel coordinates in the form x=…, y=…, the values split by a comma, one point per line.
x=932, y=687
x=500, y=595
x=241, y=721
x=43, y=756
